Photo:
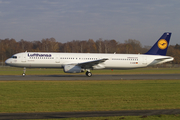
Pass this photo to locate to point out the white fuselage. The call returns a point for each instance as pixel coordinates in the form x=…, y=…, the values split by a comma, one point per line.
x=59, y=60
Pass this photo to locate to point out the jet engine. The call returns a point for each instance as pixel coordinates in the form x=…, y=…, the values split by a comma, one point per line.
x=72, y=69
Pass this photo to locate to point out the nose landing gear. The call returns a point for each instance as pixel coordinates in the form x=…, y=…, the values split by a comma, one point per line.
x=24, y=72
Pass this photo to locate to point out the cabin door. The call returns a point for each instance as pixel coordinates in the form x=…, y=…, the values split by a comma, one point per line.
x=144, y=61
x=23, y=59
x=57, y=59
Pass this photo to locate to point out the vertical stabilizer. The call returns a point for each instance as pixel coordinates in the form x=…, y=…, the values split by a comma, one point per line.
x=161, y=46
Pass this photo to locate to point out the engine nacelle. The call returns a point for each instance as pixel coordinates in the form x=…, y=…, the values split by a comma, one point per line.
x=72, y=69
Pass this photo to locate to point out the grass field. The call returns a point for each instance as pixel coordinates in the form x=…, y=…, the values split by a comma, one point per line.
x=43, y=71
x=58, y=96
x=51, y=96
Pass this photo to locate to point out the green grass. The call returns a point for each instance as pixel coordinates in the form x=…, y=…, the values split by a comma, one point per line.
x=56, y=96
x=43, y=71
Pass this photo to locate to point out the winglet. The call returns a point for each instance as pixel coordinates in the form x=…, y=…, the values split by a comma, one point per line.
x=161, y=46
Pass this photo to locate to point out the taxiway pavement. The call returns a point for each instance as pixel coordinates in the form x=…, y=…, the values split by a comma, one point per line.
x=94, y=77
x=58, y=115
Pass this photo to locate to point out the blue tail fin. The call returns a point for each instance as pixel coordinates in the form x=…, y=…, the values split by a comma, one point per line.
x=161, y=46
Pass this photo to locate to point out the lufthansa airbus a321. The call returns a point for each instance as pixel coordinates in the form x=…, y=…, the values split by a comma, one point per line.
x=84, y=62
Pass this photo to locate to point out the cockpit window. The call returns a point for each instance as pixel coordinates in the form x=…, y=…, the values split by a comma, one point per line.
x=14, y=57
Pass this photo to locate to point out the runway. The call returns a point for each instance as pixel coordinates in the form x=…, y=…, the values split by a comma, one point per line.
x=94, y=77
x=52, y=115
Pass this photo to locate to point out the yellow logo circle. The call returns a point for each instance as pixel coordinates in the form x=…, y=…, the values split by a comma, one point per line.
x=162, y=44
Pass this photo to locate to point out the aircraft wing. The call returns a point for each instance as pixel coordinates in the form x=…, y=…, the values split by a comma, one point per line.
x=89, y=64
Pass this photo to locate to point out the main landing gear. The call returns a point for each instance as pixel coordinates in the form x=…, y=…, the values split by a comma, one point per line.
x=24, y=72
x=88, y=73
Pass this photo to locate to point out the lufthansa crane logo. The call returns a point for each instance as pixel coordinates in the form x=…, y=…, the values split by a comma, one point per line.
x=162, y=44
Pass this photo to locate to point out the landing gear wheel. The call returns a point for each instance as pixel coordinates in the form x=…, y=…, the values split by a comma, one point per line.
x=23, y=74
x=89, y=74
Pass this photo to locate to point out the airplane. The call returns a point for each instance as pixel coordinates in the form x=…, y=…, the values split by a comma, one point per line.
x=81, y=62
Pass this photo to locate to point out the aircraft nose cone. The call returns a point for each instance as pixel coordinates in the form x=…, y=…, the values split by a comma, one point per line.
x=7, y=62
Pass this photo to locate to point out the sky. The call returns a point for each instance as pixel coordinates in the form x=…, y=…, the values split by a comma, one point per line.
x=67, y=20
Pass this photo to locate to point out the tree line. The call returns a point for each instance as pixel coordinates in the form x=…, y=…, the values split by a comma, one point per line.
x=8, y=47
